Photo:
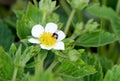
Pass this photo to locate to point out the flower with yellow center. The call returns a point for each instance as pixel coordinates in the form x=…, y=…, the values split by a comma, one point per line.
x=48, y=37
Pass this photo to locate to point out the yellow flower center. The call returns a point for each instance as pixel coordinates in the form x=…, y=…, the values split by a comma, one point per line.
x=47, y=39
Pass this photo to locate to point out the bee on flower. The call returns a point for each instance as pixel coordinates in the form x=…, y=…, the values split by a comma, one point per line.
x=48, y=37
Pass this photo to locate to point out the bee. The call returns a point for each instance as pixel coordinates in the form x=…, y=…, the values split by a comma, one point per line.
x=55, y=35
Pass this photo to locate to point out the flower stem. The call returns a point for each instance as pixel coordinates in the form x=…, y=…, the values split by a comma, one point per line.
x=39, y=67
x=39, y=64
x=15, y=74
x=52, y=66
x=65, y=6
x=118, y=7
x=44, y=18
x=69, y=21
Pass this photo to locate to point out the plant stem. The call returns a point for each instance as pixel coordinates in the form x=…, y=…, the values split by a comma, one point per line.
x=102, y=49
x=79, y=15
x=65, y=6
x=52, y=66
x=103, y=24
x=118, y=7
x=44, y=18
x=15, y=74
x=69, y=21
x=39, y=65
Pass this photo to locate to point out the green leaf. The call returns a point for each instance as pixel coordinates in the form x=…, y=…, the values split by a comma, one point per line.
x=73, y=55
x=105, y=63
x=35, y=14
x=45, y=76
x=6, y=37
x=21, y=57
x=116, y=27
x=47, y=6
x=74, y=69
x=106, y=13
x=91, y=26
x=26, y=56
x=18, y=13
x=113, y=74
x=78, y=4
x=18, y=55
x=6, y=66
x=12, y=50
x=72, y=79
x=101, y=65
x=102, y=12
x=28, y=20
x=49, y=58
x=98, y=76
x=95, y=39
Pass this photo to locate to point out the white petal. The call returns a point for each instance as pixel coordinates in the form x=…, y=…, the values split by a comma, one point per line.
x=45, y=47
x=37, y=30
x=61, y=35
x=32, y=40
x=59, y=46
x=51, y=27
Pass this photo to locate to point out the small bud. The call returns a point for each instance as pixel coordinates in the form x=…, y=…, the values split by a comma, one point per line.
x=91, y=25
x=78, y=4
x=47, y=6
x=73, y=55
x=77, y=31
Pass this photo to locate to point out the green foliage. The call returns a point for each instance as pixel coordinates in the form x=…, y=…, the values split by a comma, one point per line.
x=78, y=4
x=100, y=64
x=105, y=63
x=102, y=12
x=6, y=37
x=35, y=14
x=47, y=6
x=12, y=50
x=91, y=26
x=45, y=76
x=28, y=20
x=71, y=65
x=98, y=76
x=6, y=66
x=113, y=74
x=95, y=39
x=25, y=57
x=74, y=69
x=88, y=25
x=20, y=58
x=73, y=55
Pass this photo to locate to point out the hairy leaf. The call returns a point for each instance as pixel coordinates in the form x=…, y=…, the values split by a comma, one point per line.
x=113, y=75
x=106, y=13
x=6, y=66
x=28, y=20
x=95, y=39
x=74, y=69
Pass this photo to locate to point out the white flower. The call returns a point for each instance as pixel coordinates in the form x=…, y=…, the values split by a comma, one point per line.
x=48, y=38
